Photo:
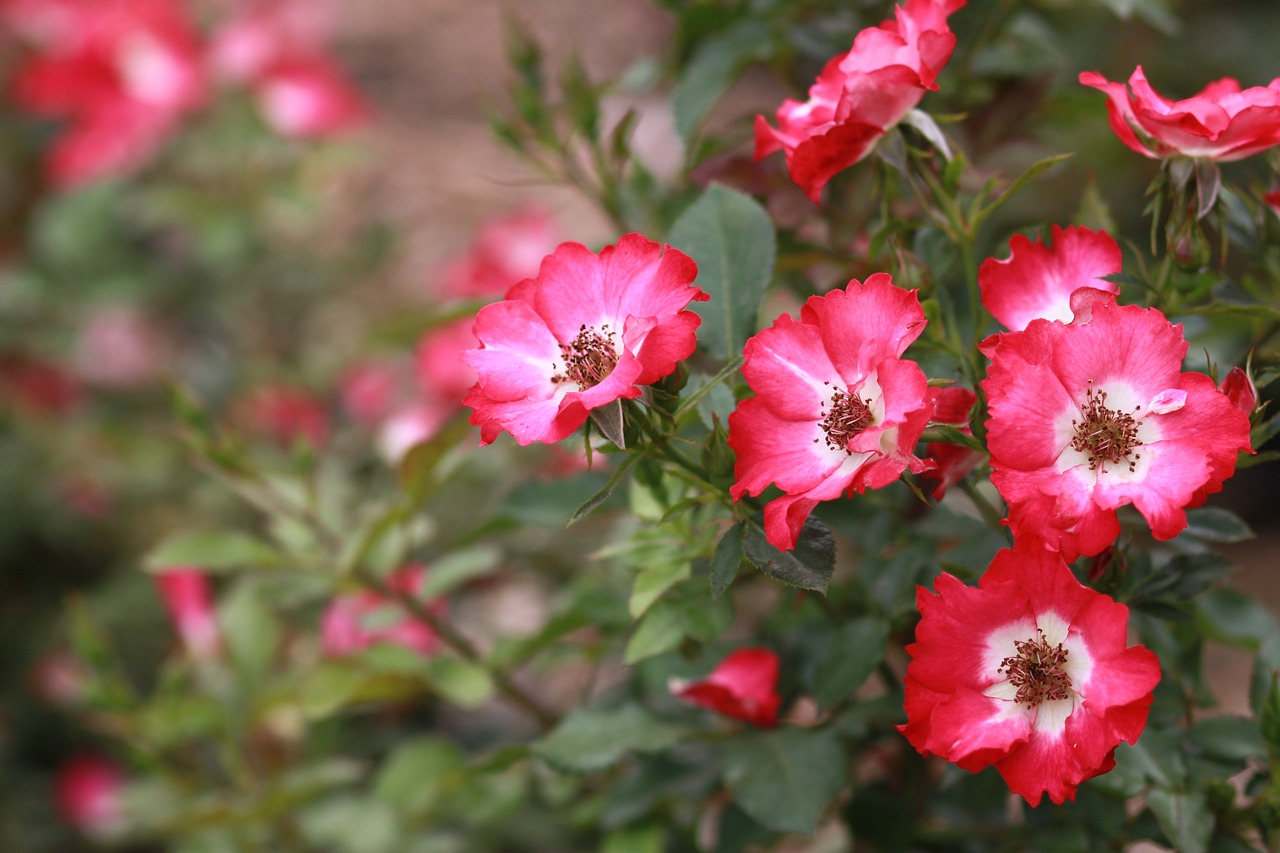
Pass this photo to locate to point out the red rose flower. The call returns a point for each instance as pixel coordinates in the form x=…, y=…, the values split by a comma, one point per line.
x=953, y=461
x=1220, y=123
x=861, y=94
x=1036, y=281
x=836, y=410
x=588, y=330
x=88, y=793
x=1029, y=673
x=1087, y=417
x=742, y=686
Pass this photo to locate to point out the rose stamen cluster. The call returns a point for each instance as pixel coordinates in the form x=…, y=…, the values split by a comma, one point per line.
x=1037, y=671
x=1106, y=436
x=589, y=358
x=847, y=417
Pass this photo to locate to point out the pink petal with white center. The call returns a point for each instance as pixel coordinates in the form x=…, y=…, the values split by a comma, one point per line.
x=769, y=449
x=972, y=729
x=1037, y=280
x=518, y=354
x=788, y=368
x=865, y=323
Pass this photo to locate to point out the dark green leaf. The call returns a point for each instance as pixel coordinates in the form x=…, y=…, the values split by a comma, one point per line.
x=1217, y=525
x=732, y=240
x=809, y=565
x=592, y=739
x=608, y=419
x=727, y=559
x=784, y=778
x=1184, y=817
x=1228, y=737
x=844, y=663
x=590, y=504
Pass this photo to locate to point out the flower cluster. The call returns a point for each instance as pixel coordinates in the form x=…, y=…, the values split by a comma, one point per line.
x=121, y=75
x=861, y=94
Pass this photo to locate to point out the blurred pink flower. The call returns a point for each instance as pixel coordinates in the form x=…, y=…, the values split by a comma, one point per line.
x=408, y=427
x=370, y=390
x=742, y=686
x=505, y=251
x=1222, y=122
x=355, y=622
x=278, y=49
x=188, y=598
x=58, y=678
x=443, y=376
x=118, y=347
x=120, y=73
x=285, y=414
x=87, y=793
x=861, y=94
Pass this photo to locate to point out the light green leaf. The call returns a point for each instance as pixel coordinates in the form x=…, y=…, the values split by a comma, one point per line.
x=211, y=550
x=593, y=739
x=652, y=582
x=660, y=630
x=732, y=240
x=416, y=772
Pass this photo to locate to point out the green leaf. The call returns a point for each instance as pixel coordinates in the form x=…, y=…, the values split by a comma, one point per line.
x=634, y=839
x=660, y=630
x=727, y=559
x=809, y=565
x=1019, y=184
x=416, y=471
x=652, y=582
x=592, y=503
x=732, y=240
x=711, y=70
x=211, y=550
x=1184, y=817
x=784, y=778
x=929, y=129
x=329, y=687
x=251, y=631
x=416, y=772
x=457, y=568
x=844, y=663
x=1216, y=525
x=593, y=739
x=459, y=682
x=1228, y=737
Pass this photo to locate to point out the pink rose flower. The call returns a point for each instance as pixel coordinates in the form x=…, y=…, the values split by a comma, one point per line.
x=1088, y=417
x=742, y=686
x=1036, y=281
x=188, y=598
x=88, y=793
x=1029, y=673
x=1240, y=390
x=119, y=347
x=836, y=410
x=355, y=622
x=861, y=94
x=1220, y=123
x=588, y=330
x=443, y=374
x=120, y=72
